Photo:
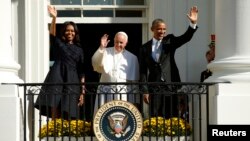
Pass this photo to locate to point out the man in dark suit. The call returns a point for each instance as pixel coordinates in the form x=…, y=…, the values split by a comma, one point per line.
x=157, y=64
x=207, y=73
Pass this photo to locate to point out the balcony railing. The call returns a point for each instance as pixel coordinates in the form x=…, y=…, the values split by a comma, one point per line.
x=191, y=100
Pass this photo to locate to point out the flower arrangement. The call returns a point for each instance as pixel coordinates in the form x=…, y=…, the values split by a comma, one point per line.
x=158, y=126
x=59, y=127
x=155, y=126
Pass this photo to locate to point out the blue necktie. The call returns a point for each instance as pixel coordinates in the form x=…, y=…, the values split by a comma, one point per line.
x=157, y=51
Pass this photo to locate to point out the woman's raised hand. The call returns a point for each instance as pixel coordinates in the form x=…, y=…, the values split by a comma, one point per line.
x=52, y=11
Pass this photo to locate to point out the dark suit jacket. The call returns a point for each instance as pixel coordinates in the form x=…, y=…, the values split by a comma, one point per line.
x=165, y=69
x=205, y=74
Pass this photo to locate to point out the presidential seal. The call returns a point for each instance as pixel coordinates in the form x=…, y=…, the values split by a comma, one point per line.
x=118, y=121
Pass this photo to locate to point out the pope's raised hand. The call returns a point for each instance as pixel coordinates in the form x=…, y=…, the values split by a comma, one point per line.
x=104, y=41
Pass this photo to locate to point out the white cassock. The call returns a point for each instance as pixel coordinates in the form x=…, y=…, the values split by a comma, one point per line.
x=115, y=67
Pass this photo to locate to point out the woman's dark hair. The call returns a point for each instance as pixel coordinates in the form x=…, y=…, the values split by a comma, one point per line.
x=76, y=40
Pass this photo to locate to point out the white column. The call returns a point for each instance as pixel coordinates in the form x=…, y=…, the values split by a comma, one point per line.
x=9, y=99
x=232, y=61
x=37, y=54
x=8, y=66
x=229, y=103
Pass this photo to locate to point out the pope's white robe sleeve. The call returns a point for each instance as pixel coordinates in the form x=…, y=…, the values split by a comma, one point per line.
x=97, y=60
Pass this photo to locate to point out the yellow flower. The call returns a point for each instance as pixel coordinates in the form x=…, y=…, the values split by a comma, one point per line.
x=158, y=126
x=79, y=128
x=54, y=128
x=59, y=127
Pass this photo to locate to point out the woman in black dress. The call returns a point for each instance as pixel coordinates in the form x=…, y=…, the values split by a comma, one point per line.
x=63, y=101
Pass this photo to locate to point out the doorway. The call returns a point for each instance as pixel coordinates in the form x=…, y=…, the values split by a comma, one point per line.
x=90, y=38
x=90, y=35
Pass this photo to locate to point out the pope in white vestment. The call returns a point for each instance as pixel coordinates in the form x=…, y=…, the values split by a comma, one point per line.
x=115, y=64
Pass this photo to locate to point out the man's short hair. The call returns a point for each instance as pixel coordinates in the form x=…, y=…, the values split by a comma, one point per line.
x=156, y=21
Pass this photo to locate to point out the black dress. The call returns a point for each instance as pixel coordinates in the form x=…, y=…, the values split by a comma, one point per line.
x=67, y=68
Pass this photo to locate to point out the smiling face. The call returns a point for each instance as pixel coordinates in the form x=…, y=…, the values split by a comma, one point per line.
x=159, y=29
x=69, y=34
x=120, y=41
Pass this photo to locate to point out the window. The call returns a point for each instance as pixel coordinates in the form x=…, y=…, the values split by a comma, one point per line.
x=100, y=8
x=97, y=2
x=105, y=16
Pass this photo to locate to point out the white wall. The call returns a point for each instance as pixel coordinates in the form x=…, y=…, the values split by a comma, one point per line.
x=36, y=41
x=31, y=41
x=190, y=58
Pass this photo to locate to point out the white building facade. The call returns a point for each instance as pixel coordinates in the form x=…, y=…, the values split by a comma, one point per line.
x=24, y=49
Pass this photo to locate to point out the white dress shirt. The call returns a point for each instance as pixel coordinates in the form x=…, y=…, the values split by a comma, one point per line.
x=156, y=49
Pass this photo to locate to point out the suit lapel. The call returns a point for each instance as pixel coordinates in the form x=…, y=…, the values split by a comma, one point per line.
x=149, y=49
x=165, y=50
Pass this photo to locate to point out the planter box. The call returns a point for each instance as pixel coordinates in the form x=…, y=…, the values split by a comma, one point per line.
x=65, y=138
x=167, y=138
